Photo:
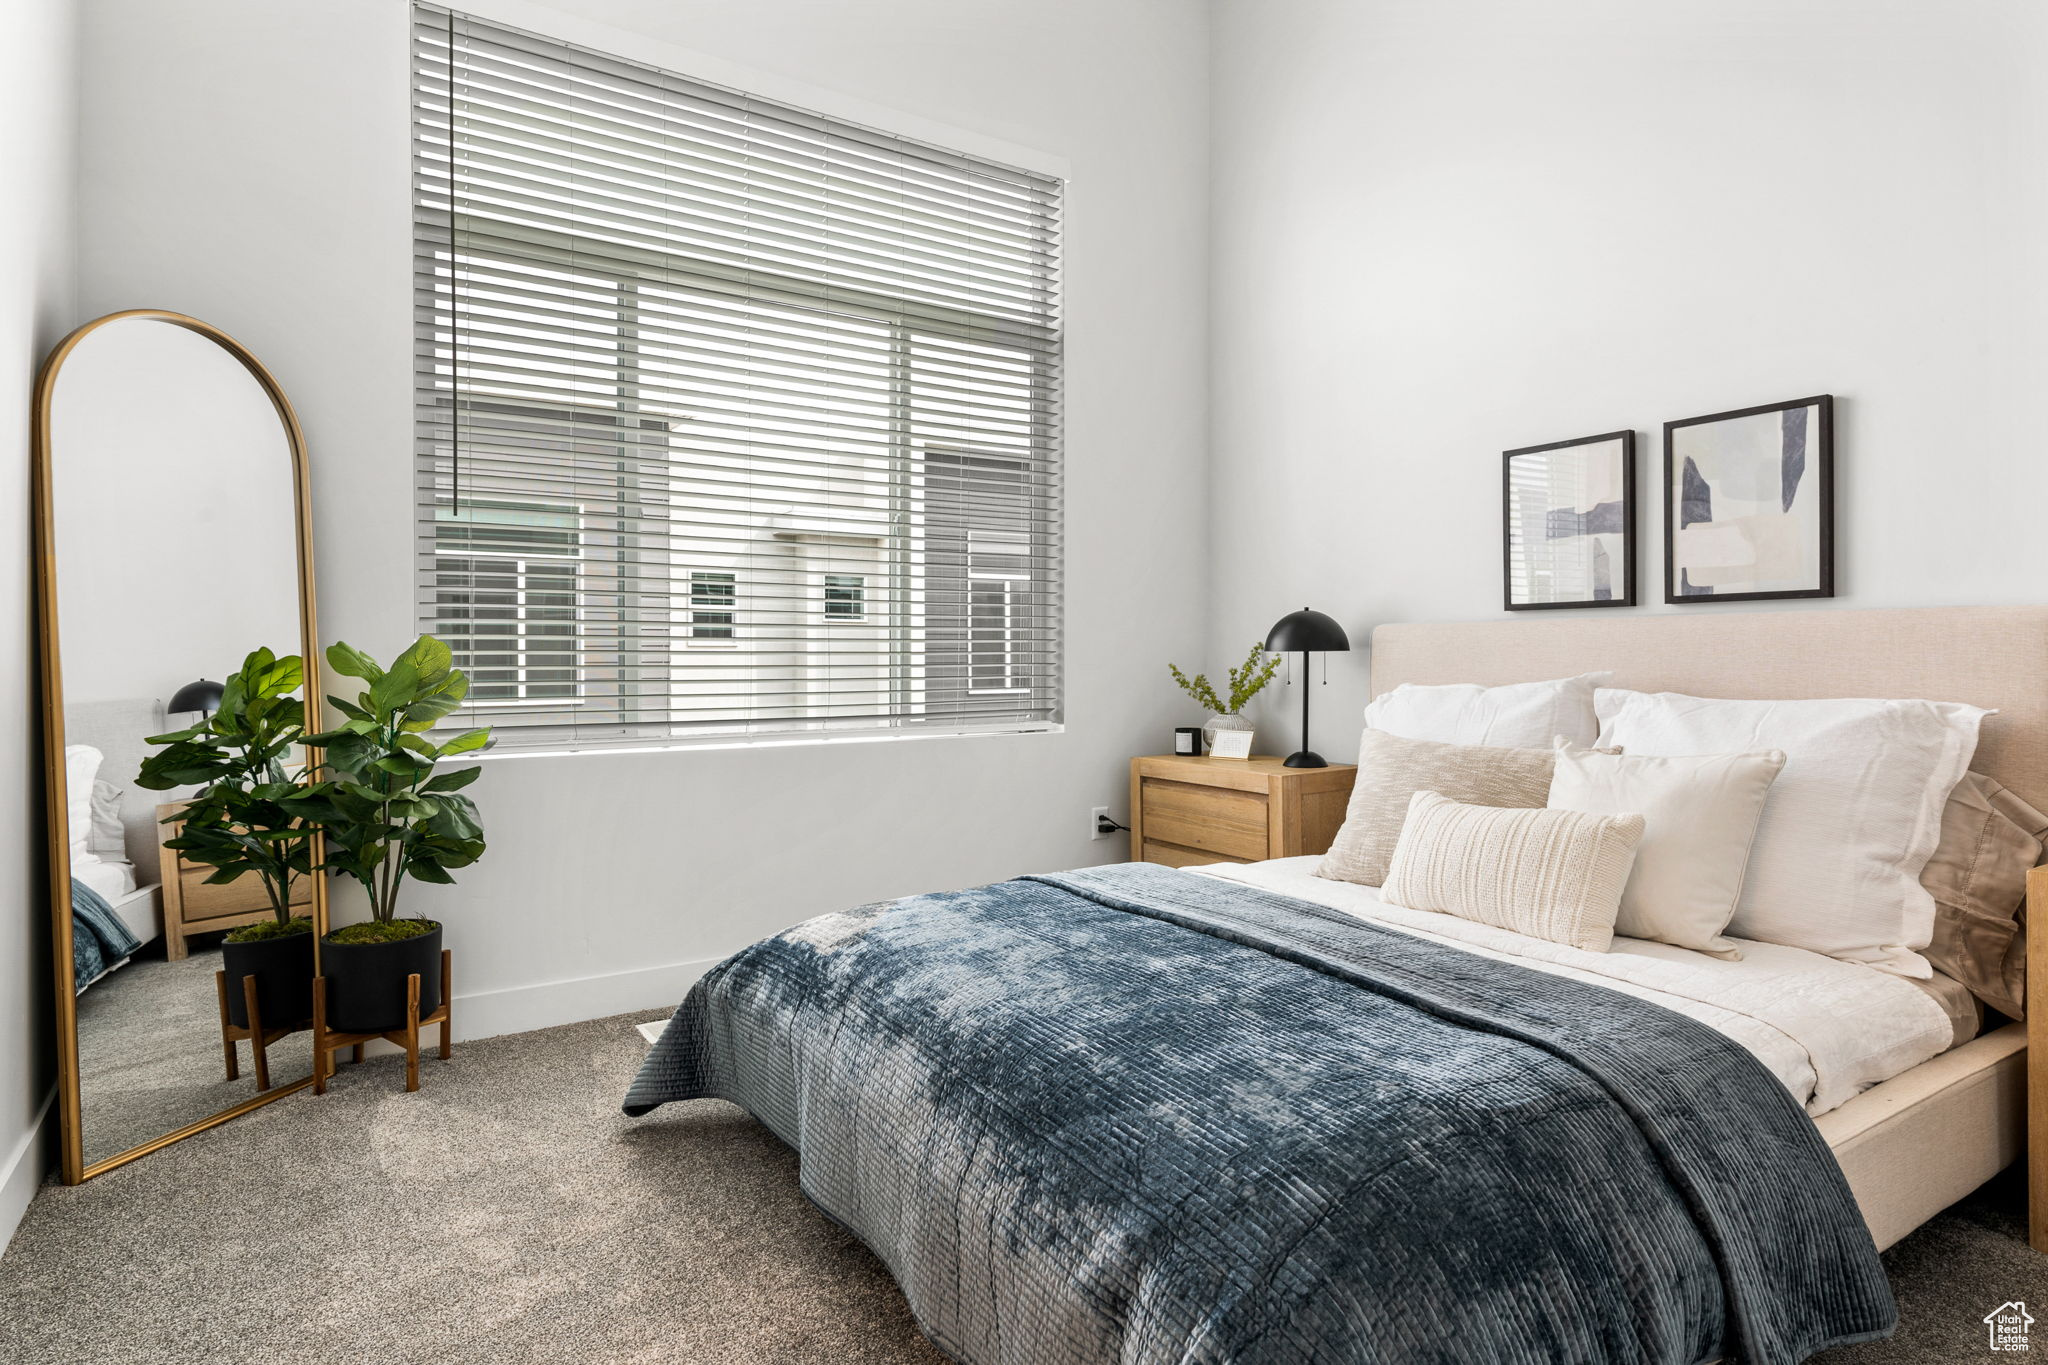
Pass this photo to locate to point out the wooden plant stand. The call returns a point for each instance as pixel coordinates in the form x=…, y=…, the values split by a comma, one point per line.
x=259, y=1038
x=326, y=1042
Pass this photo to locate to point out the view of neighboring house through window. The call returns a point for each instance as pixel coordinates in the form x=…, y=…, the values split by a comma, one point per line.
x=699, y=370
x=505, y=586
x=845, y=597
x=712, y=599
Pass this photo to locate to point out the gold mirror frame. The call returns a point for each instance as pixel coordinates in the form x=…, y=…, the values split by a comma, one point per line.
x=72, y=1148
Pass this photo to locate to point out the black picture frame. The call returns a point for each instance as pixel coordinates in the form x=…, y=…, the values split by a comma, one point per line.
x=1627, y=596
x=1822, y=447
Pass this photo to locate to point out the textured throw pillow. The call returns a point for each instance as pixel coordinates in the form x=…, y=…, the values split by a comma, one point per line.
x=1851, y=822
x=1550, y=874
x=1518, y=716
x=1392, y=769
x=1700, y=816
x=1978, y=878
x=108, y=836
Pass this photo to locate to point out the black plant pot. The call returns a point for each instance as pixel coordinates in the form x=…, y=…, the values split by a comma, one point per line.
x=283, y=968
x=366, y=981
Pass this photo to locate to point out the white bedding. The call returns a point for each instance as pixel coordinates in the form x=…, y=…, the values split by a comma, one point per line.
x=1826, y=1028
x=112, y=878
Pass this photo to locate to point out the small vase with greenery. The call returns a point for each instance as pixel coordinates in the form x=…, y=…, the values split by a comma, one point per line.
x=1246, y=681
x=241, y=759
x=387, y=816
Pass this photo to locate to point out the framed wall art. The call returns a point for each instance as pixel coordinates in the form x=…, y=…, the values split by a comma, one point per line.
x=1568, y=523
x=1749, y=503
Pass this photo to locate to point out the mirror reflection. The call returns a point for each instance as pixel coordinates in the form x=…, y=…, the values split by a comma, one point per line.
x=173, y=516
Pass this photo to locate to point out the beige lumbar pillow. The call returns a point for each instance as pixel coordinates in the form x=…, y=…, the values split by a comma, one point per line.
x=1551, y=874
x=1700, y=816
x=1392, y=769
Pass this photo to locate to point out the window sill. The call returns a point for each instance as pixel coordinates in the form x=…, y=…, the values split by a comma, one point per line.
x=764, y=742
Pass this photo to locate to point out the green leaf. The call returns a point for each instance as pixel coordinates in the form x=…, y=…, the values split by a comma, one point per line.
x=453, y=781
x=427, y=711
x=394, y=691
x=351, y=662
x=430, y=659
x=176, y=736
x=463, y=743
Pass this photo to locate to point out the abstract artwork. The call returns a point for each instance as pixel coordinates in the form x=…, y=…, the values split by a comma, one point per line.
x=1749, y=504
x=1569, y=517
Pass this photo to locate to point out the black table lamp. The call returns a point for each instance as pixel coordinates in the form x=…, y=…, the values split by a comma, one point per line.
x=1304, y=632
x=202, y=696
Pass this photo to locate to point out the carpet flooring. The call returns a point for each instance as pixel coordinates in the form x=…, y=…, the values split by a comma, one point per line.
x=149, y=1056
x=508, y=1214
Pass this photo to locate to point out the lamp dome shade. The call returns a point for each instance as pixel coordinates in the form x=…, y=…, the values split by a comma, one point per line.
x=1306, y=630
x=196, y=696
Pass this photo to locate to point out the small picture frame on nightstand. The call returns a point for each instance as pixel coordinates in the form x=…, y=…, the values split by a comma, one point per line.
x=1187, y=741
x=1231, y=744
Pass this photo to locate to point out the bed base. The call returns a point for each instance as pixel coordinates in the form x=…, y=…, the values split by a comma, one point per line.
x=1915, y=1144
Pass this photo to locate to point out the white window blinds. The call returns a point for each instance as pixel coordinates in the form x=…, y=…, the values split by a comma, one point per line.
x=733, y=420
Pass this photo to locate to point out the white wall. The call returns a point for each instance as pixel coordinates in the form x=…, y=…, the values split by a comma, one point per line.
x=247, y=162
x=37, y=100
x=139, y=407
x=1445, y=228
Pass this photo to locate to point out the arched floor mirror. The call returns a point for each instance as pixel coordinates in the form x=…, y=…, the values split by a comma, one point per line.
x=173, y=524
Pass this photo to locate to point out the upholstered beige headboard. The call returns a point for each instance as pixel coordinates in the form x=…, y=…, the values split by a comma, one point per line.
x=1989, y=656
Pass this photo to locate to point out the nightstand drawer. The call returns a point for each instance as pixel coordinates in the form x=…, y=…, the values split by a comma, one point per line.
x=201, y=901
x=1170, y=856
x=1214, y=819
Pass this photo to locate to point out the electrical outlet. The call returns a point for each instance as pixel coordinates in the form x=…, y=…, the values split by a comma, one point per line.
x=1096, y=815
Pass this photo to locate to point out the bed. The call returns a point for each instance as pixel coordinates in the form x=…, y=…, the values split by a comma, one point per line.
x=1143, y=1114
x=1915, y=1144
x=120, y=860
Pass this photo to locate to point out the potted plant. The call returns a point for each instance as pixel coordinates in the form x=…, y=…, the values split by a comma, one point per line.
x=238, y=824
x=386, y=815
x=1246, y=681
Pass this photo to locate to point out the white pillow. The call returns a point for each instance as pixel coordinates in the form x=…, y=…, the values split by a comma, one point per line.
x=1700, y=816
x=81, y=766
x=1550, y=874
x=1517, y=716
x=1851, y=822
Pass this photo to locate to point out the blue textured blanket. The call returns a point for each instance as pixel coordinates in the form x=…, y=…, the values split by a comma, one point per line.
x=99, y=941
x=1134, y=1115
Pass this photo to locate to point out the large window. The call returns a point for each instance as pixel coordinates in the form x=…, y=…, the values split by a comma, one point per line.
x=734, y=420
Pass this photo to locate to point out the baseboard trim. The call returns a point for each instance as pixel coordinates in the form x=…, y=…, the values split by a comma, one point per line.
x=521, y=1009
x=26, y=1166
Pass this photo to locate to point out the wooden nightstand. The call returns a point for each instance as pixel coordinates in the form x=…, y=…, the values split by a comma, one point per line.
x=1233, y=810
x=193, y=907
